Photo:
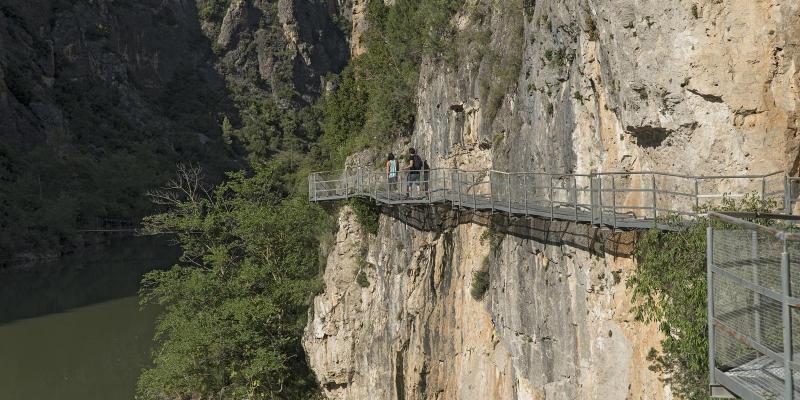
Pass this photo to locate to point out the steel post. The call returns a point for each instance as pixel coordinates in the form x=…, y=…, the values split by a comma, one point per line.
x=474, y=200
x=710, y=293
x=655, y=197
x=508, y=193
x=591, y=198
x=764, y=188
x=614, y=200
x=525, y=191
x=600, y=196
x=787, y=195
x=312, y=187
x=458, y=182
x=550, y=195
x=491, y=190
x=696, y=195
x=756, y=281
x=575, y=194
x=788, y=380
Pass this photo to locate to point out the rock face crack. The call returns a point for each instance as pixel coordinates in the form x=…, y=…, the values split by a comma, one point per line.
x=711, y=98
x=399, y=376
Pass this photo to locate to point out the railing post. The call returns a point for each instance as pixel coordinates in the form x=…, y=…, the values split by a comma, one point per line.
x=474, y=198
x=712, y=350
x=788, y=380
x=600, y=196
x=614, y=200
x=508, y=192
x=525, y=192
x=764, y=188
x=428, y=185
x=696, y=195
x=756, y=281
x=550, y=197
x=787, y=195
x=346, y=192
x=591, y=197
x=491, y=191
x=445, y=192
x=575, y=194
x=458, y=181
x=311, y=194
x=655, y=196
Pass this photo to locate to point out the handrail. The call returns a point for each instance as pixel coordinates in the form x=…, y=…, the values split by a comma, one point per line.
x=647, y=198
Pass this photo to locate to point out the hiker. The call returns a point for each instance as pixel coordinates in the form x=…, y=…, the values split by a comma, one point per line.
x=391, y=171
x=414, y=168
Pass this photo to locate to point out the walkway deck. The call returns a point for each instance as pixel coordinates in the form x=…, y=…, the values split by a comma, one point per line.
x=625, y=200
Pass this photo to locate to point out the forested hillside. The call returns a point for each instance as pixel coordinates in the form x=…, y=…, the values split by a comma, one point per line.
x=252, y=246
x=101, y=99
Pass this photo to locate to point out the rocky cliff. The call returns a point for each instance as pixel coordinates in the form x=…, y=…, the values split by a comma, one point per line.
x=138, y=54
x=696, y=87
x=100, y=99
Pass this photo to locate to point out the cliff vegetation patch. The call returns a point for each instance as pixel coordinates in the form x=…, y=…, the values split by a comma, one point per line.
x=669, y=289
x=480, y=281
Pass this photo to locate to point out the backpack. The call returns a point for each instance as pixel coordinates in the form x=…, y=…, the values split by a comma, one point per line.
x=416, y=162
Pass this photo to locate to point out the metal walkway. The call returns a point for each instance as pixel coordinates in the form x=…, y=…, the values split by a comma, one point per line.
x=629, y=200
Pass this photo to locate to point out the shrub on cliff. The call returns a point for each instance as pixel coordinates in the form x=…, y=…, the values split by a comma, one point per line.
x=480, y=281
x=236, y=305
x=669, y=288
x=375, y=100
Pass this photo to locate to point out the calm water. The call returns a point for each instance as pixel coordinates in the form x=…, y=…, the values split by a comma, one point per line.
x=73, y=330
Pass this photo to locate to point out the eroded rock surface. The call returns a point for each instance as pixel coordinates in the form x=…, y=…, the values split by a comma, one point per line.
x=693, y=87
x=554, y=323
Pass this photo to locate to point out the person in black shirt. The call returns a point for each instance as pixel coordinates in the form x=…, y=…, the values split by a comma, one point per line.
x=414, y=170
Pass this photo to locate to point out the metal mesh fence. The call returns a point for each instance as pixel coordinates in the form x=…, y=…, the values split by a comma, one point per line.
x=752, y=310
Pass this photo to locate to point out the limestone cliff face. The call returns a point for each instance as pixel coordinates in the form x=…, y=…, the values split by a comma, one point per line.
x=695, y=87
x=555, y=323
x=606, y=85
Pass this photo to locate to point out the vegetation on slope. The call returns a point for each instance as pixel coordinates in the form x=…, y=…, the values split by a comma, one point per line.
x=375, y=97
x=669, y=286
x=236, y=305
x=101, y=166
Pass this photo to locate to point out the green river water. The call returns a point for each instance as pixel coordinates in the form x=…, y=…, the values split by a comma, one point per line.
x=73, y=329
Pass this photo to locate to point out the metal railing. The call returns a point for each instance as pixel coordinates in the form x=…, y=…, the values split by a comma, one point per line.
x=615, y=199
x=753, y=284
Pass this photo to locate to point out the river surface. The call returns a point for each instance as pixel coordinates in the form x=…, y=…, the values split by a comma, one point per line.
x=73, y=329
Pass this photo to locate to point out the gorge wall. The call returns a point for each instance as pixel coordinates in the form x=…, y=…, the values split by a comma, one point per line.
x=100, y=99
x=694, y=87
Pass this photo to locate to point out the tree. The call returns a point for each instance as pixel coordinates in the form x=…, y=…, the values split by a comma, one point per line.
x=236, y=304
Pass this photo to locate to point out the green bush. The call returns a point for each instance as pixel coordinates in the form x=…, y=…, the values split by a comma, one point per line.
x=669, y=289
x=480, y=281
x=212, y=10
x=361, y=279
x=591, y=27
x=236, y=305
x=367, y=214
